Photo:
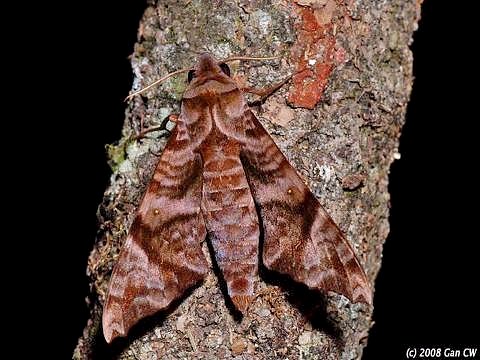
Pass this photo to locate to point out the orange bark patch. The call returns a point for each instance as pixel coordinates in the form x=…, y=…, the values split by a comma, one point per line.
x=314, y=52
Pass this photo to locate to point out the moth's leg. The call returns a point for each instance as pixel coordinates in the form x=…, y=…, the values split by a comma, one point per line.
x=265, y=92
x=173, y=118
x=162, y=126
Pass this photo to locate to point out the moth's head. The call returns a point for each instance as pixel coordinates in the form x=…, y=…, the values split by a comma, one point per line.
x=209, y=77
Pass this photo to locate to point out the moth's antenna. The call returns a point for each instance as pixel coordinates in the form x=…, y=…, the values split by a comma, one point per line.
x=233, y=58
x=229, y=59
x=196, y=52
x=163, y=78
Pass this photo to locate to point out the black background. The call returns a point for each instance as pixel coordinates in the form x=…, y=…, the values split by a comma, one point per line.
x=425, y=292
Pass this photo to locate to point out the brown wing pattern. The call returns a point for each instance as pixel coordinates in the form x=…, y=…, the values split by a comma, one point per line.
x=162, y=255
x=300, y=238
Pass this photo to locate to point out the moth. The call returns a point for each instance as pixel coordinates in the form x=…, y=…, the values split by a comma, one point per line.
x=222, y=175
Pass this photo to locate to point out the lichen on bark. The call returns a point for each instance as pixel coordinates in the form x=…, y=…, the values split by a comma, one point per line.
x=342, y=145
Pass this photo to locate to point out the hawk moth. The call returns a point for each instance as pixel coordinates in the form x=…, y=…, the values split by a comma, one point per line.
x=221, y=174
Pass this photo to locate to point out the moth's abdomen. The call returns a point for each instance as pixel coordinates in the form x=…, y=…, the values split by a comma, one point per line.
x=230, y=218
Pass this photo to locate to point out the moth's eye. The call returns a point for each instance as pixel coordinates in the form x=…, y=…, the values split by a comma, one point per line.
x=191, y=75
x=225, y=68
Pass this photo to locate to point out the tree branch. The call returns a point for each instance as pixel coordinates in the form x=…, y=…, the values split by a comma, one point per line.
x=338, y=122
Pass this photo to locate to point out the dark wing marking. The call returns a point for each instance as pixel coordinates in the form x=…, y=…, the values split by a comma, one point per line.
x=162, y=255
x=301, y=240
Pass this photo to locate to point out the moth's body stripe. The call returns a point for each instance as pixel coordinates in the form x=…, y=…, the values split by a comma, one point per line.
x=234, y=171
x=226, y=208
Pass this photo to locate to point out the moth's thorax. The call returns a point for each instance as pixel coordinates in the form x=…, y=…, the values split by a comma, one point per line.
x=210, y=85
x=224, y=112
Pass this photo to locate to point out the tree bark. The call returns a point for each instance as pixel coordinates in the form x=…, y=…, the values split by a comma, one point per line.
x=338, y=121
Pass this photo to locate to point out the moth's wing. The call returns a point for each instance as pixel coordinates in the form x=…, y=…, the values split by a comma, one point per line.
x=300, y=238
x=162, y=255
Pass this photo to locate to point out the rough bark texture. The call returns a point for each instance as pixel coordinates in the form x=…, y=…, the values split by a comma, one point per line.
x=338, y=122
